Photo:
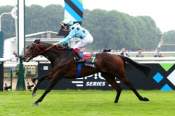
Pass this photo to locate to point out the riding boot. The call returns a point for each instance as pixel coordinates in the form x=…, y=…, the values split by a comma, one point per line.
x=78, y=57
x=75, y=52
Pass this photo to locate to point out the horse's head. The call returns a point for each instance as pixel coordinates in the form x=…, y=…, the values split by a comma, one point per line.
x=33, y=50
x=41, y=48
x=64, y=30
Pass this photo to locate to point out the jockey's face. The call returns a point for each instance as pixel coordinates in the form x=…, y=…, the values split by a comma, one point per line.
x=64, y=30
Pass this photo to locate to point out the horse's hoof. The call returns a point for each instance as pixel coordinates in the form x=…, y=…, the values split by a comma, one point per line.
x=33, y=94
x=36, y=104
x=144, y=99
x=115, y=101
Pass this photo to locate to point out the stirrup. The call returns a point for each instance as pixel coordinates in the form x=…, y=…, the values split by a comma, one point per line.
x=79, y=60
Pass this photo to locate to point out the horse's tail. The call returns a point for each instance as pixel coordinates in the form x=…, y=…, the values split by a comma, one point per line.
x=143, y=68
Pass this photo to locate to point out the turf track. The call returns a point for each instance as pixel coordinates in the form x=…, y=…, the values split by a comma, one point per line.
x=87, y=103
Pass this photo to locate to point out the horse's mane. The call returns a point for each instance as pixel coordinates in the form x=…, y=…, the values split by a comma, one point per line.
x=47, y=44
x=53, y=52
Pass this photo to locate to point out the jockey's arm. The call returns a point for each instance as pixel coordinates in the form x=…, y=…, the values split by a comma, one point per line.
x=68, y=37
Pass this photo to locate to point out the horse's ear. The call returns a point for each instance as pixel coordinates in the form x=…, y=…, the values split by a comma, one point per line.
x=37, y=41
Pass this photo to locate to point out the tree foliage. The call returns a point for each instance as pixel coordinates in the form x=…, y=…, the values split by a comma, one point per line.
x=169, y=41
x=110, y=29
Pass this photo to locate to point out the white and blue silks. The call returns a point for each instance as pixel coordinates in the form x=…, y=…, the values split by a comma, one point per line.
x=76, y=31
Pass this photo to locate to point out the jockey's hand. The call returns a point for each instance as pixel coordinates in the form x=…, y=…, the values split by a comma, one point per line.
x=63, y=42
x=65, y=45
x=54, y=44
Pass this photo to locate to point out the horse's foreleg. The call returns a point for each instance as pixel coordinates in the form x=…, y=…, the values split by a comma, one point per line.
x=111, y=80
x=34, y=79
x=50, y=87
x=41, y=79
x=56, y=75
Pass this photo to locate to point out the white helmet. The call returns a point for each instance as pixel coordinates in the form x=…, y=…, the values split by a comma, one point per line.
x=68, y=22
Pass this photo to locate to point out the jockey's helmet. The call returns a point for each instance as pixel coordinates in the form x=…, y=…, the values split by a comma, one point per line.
x=68, y=22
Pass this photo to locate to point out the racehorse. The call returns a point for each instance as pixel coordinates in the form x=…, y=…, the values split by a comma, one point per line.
x=64, y=66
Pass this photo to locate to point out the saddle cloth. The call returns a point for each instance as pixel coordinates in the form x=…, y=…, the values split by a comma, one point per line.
x=88, y=57
x=89, y=61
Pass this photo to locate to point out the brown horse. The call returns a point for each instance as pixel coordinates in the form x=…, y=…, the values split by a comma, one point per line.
x=64, y=66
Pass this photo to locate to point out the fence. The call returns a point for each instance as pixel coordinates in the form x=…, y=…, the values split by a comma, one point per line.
x=161, y=77
x=1, y=76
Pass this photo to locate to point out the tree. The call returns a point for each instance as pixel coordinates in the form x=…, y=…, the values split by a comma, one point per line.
x=110, y=29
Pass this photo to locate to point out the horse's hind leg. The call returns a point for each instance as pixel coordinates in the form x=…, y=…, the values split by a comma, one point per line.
x=111, y=80
x=123, y=78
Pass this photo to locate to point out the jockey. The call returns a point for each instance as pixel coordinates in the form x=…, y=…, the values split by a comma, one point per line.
x=77, y=31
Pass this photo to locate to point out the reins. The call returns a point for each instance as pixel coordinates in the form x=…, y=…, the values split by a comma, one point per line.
x=48, y=48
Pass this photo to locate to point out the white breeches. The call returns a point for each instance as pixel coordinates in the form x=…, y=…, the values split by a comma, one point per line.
x=83, y=42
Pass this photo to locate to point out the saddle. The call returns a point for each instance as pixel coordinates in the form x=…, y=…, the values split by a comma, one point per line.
x=88, y=59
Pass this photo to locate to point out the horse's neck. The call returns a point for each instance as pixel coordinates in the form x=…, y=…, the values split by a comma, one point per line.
x=55, y=56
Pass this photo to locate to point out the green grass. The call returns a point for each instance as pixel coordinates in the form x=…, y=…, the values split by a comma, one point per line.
x=87, y=103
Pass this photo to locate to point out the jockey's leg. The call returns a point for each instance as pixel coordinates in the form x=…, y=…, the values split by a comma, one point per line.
x=81, y=44
x=77, y=50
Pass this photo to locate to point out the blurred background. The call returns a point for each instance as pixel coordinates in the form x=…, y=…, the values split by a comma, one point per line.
x=137, y=29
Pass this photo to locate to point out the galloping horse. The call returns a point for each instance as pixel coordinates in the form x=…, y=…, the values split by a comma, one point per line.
x=64, y=66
